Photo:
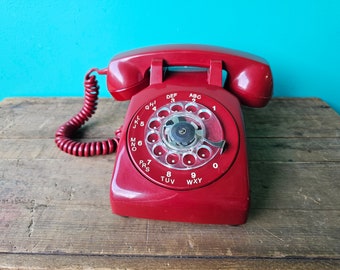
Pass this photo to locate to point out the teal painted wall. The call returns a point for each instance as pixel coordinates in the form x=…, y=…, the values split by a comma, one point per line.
x=47, y=46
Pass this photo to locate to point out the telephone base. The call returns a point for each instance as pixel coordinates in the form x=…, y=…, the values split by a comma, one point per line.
x=225, y=201
x=183, y=207
x=233, y=218
x=182, y=154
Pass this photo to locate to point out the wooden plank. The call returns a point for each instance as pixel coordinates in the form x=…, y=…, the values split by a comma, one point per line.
x=294, y=149
x=259, y=149
x=41, y=261
x=274, y=185
x=39, y=118
x=92, y=230
x=66, y=209
x=284, y=117
x=54, y=208
x=295, y=186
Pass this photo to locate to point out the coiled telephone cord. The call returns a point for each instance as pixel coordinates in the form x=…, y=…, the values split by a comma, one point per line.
x=64, y=137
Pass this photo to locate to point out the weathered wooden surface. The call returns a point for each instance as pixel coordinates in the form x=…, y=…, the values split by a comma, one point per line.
x=55, y=212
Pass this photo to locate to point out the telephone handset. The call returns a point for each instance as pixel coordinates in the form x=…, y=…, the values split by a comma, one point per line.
x=181, y=152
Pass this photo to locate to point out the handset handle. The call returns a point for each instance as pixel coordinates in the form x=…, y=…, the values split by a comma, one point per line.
x=249, y=76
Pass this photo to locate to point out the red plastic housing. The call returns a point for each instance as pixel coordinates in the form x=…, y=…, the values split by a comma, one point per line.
x=182, y=153
x=143, y=187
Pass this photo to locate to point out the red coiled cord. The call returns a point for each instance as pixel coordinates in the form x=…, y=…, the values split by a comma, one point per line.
x=63, y=136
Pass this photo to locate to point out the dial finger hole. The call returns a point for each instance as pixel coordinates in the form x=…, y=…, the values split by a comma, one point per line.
x=204, y=152
x=159, y=150
x=153, y=137
x=189, y=159
x=172, y=159
x=163, y=113
x=154, y=124
x=176, y=107
x=191, y=108
x=204, y=114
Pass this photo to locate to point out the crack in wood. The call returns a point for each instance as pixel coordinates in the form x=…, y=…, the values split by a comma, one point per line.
x=32, y=208
x=30, y=227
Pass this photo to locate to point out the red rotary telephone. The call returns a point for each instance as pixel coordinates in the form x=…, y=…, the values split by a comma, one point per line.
x=181, y=154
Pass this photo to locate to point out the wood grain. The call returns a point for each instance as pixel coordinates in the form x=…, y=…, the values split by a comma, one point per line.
x=55, y=212
x=36, y=261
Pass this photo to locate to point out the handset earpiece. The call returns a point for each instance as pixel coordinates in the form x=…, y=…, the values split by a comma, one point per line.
x=252, y=83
